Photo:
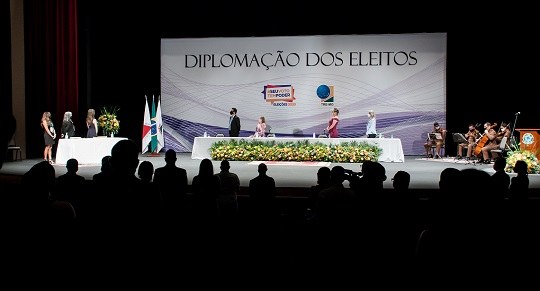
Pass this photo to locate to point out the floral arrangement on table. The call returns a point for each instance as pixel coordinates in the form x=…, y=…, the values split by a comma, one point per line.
x=353, y=152
x=529, y=157
x=108, y=121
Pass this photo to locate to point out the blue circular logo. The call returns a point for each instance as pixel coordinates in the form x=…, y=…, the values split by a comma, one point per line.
x=323, y=91
x=528, y=138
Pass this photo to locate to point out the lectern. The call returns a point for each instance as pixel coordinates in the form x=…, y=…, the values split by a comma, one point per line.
x=529, y=139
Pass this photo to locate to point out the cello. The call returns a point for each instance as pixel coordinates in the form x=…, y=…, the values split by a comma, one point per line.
x=484, y=139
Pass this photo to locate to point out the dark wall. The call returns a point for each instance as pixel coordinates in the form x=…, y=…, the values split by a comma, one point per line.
x=486, y=69
x=5, y=57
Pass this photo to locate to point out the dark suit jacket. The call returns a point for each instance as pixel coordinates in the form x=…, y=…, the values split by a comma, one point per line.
x=235, y=126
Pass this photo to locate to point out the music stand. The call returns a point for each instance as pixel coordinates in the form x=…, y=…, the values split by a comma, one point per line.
x=459, y=138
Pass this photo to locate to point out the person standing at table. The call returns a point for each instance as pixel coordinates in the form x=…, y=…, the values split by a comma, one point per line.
x=234, y=123
x=333, y=123
x=260, y=130
x=91, y=123
x=49, y=135
x=371, y=127
x=68, y=129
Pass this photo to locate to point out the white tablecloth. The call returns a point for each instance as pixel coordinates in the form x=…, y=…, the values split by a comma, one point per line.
x=392, y=151
x=85, y=150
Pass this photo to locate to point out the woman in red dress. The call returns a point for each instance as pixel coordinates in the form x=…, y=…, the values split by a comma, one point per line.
x=332, y=124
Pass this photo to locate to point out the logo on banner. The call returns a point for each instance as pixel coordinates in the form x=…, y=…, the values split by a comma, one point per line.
x=326, y=95
x=279, y=95
x=528, y=139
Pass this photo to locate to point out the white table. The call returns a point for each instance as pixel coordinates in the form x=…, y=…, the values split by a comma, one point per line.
x=85, y=150
x=392, y=150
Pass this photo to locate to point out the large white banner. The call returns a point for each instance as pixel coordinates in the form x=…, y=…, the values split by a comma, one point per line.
x=295, y=82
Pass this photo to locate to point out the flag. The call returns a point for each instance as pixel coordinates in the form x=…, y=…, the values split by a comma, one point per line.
x=154, y=141
x=159, y=123
x=146, y=129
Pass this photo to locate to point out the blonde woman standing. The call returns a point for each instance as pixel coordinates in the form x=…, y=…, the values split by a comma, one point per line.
x=49, y=135
x=260, y=130
x=91, y=123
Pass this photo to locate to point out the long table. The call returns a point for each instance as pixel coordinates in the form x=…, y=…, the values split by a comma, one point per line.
x=85, y=150
x=392, y=150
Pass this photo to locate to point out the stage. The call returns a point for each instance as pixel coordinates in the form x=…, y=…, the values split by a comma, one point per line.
x=424, y=172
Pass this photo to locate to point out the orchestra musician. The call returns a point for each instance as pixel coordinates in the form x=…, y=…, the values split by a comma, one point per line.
x=472, y=135
x=495, y=138
x=438, y=143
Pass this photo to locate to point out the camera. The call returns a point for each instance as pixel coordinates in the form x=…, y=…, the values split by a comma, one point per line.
x=352, y=173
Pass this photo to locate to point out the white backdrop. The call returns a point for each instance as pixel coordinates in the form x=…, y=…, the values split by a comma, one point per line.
x=402, y=77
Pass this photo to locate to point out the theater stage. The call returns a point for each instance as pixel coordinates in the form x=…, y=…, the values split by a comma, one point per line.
x=424, y=172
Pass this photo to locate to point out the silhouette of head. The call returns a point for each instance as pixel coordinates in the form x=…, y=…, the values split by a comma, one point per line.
x=323, y=176
x=72, y=166
x=520, y=167
x=170, y=156
x=125, y=157
x=206, y=168
x=337, y=175
x=146, y=171
x=225, y=166
x=499, y=164
x=401, y=180
x=262, y=168
x=105, y=164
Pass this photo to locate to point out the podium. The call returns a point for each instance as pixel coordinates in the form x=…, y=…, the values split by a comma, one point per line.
x=529, y=139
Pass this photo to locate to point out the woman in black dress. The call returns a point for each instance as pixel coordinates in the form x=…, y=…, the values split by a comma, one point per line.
x=49, y=135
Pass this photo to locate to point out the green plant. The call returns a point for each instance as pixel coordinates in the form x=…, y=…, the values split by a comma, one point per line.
x=273, y=150
x=108, y=120
x=523, y=155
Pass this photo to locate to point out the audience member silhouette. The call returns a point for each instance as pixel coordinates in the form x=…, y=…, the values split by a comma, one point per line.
x=146, y=172
x=172, y=184
x=323, y=182
x=500, y=180
x=262, y=194
x=227, y=197
x=401, y=181
x=70, y=186
x=205, y=188
x=519, y=185
x=336, y=204
x=106, y=170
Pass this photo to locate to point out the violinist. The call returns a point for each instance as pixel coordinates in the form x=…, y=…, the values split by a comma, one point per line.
x=496, y=138
x=472, y=135
x=438, y=143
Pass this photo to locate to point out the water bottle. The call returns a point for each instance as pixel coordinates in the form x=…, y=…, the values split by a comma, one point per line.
x=313, y=135
x=205, y=135
x=67, y=136
x=391, y=136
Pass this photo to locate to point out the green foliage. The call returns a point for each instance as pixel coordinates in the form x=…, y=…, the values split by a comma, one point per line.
x=245, y=150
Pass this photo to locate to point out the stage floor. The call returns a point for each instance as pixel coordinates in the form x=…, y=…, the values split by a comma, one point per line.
x=424, y=172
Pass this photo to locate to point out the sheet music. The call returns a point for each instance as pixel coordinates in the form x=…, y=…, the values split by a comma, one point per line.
x=435, y=135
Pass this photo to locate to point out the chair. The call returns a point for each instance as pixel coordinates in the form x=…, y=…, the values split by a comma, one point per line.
x=14, y=148
x=431, y=136
x=502, y=147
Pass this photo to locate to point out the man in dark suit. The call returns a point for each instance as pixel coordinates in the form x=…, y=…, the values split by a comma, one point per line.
x=234, y=123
